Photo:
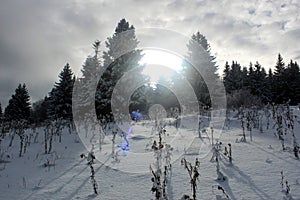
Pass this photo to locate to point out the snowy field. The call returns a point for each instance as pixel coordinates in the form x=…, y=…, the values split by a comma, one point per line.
x=253, y=174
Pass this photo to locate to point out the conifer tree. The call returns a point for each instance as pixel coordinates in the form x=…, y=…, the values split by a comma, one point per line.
x=206, y=65
x=245, y=80
x=270, y=80
x=61, y=95
x=236, y=76
x=39, y=111
x=121, y=56
x=19, y=105
x=258, y=83
x=88, y=82
x=279, y=85
x=226, y=77
x=292, y=77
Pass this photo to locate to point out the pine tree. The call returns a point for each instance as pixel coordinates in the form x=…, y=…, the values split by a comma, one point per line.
x=279, y=67
x=88, y=82
x=292, y=77
x=19, y=105
x=205, y=63
x=270, y=81
x=258, y=80
x=39, y=111
x=121, y=56
x=279, y=84
x=236, y=78
x=226, y=77
x=245, y=80
x=61, y=95
x=251, y=75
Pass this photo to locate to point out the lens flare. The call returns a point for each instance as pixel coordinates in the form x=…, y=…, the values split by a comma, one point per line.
x=153, y=59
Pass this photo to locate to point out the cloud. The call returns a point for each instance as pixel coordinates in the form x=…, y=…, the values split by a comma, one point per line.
x=38, y=38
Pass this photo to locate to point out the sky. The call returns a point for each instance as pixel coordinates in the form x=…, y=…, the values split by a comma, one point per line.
x=37, y=38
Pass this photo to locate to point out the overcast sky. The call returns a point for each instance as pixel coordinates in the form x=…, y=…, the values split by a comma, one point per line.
x=37, y=38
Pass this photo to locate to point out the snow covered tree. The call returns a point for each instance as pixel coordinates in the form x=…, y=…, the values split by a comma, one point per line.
x=121, y=57
x=61, y=95
x=19, y=105
x=88, y=82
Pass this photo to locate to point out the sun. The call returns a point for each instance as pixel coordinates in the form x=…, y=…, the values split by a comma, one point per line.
x=160, y=63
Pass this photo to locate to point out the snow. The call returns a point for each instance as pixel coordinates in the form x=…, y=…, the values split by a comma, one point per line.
x=253, y=174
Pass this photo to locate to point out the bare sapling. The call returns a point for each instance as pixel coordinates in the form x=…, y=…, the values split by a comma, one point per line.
x=21, y=133
x=249, y=119
x=193, y=174
x=216, y=157
x=241, y=117
x=160, y=179
x=279, y=130
x=290, y=125
x=282, y=179
x=228, y=152
x=113, y=152
x=267, y=115
x=90, y=159
x=199, y=126
x=157, y=172
x=51, y=133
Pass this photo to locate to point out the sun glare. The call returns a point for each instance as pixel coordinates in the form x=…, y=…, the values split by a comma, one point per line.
x=160, y=64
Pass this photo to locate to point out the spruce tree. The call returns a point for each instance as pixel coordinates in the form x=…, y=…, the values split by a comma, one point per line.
x=245, y=80
x=292, y=77
x=258, y=86
x=279, y=84
x=19, y=105
x=279, y=67
x=88, y=82
x=121, y=57
x=206, y=65
x=236, y=78
x=39, y=111
x=226, y=77
x=61, y=95
x=270, y=81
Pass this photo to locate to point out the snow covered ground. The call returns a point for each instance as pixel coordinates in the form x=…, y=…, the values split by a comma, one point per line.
x=253, y=174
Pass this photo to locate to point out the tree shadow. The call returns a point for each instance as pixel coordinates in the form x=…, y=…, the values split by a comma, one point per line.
x=233, y=171
x=35, y=189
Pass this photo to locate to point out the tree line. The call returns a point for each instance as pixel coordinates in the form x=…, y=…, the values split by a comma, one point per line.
x=277, y=87
x=251, y=83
